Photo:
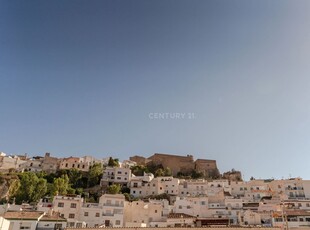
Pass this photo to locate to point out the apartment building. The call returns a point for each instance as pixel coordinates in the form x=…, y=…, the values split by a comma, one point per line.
x=137, y=184
x=112, y=209
x=146, y=214
x=192, y=206
x=116, y=175
x=193, y=187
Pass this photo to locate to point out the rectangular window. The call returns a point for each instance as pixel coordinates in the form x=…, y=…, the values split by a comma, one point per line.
x=85, y=213
x=97, y=214
x=73, y=205
x=71, y=215
x=117, y=222
x=61, y=205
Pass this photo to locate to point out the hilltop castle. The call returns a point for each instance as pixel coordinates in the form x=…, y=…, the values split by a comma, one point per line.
x=177, y=163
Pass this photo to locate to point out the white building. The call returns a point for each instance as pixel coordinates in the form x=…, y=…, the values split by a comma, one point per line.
x=23, y=219
x=112, y=209
x=192, y=206
x=138, y=184
x=116, y=175
x=4, y=223
x=51, y=221
x=193, y=187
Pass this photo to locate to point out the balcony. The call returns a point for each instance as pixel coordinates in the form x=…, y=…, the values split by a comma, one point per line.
x=113, y=205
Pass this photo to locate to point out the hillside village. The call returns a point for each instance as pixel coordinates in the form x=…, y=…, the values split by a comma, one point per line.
x=179, y=192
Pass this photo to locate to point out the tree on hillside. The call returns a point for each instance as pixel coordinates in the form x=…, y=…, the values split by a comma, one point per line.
x=61, y=185
x=31, y=188
x=113, y=162
x=75, y=177
x=167, y=171
x=95, y=174
x=114, y=189
x=139, y=170
x=159, y=172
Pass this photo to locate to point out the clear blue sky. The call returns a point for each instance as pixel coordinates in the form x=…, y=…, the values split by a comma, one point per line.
x=85, y=78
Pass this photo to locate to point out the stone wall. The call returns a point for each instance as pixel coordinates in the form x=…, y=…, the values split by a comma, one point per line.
x=176, y=163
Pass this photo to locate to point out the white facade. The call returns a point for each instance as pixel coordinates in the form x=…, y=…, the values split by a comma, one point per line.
x=4, y=223
x=116, y=175
x=193, y=187
x=112, y=209
x=193, y=206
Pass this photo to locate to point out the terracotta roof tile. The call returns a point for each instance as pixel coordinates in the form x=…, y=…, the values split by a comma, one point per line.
x=26, y=215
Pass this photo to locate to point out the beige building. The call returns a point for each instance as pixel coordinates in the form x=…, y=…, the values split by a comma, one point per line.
x=11, y=163
x=79, y=163
x=193, y=187
x=146, y=214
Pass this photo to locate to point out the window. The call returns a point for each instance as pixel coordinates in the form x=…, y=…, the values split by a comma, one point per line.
x=133, y=191
x=73, y=205
x=73, y=165
x=119, y=172
x=119, y=178
x=155, y=211
x=85, y=213
x=117, y=222
x=97, y=214
x=71, y=215
x=60, y=204
x=66, y=164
